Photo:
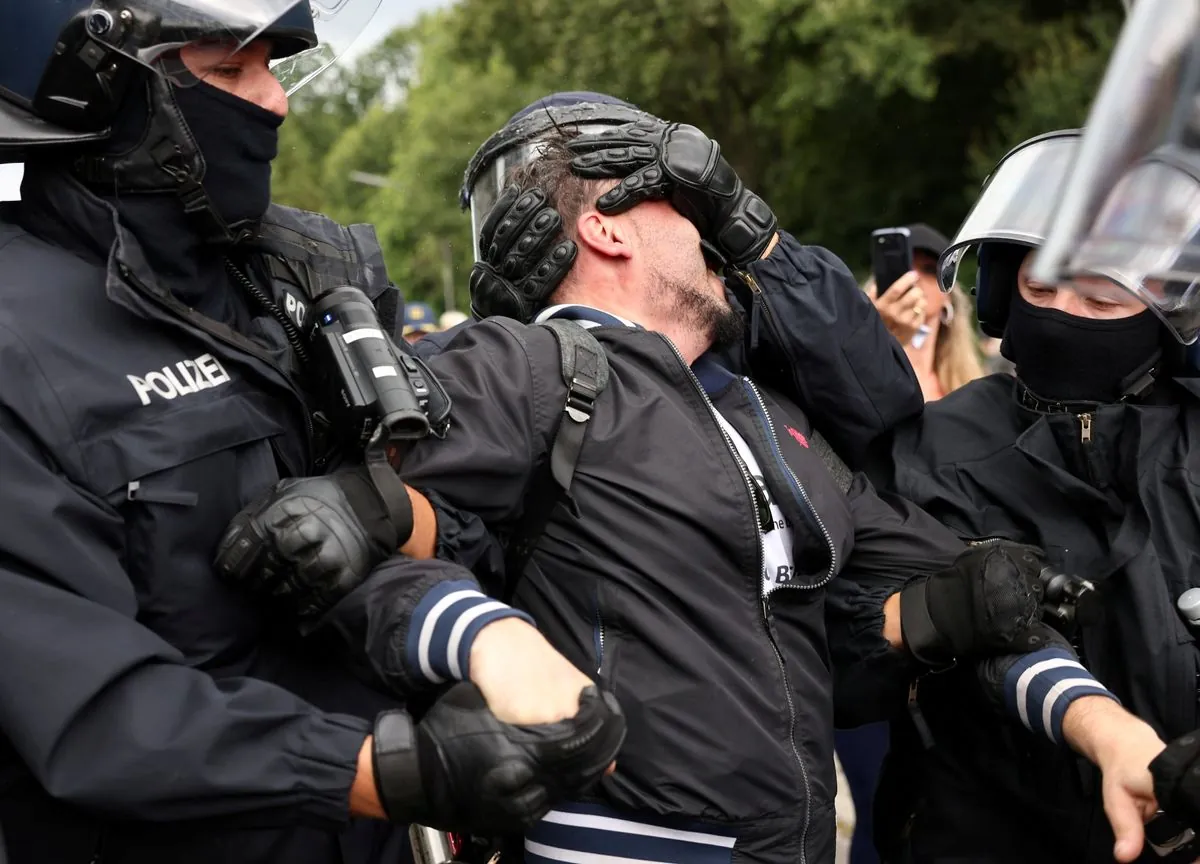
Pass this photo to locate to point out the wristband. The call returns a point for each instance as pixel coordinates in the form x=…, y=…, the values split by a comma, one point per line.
x=396, y=767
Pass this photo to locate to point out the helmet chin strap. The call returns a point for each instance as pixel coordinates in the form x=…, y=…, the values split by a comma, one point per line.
x=166, y=160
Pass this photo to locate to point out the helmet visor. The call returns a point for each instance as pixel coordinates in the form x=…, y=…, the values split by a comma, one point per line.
x=155, y=32
x=492, y=179
x=338, y=24
x=1017, y=201
x=1147, y=237
x=1147, y=104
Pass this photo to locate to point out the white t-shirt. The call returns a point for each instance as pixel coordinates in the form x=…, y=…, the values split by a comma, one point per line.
x=777, y=543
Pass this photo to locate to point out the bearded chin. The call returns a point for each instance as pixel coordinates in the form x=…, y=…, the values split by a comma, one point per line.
x=726, y=327
x=703, y=312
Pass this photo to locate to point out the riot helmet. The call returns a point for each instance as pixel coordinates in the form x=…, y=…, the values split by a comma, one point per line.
x=1008, y=219
x=517, y=144
x=69, y=68
x=1131, y=202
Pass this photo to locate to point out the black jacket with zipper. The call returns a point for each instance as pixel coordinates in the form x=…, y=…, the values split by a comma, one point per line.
x=650, y=581
x=1111, y=494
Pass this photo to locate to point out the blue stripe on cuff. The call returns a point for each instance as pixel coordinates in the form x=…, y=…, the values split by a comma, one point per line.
x=424, y=655
x=461, y=646
x=1039, y=688
x=1019, y=669
x=1063, y=702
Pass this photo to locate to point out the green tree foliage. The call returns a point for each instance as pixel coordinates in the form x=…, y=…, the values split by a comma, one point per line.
x=846, y=115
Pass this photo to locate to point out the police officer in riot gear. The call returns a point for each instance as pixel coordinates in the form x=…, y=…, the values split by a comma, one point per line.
x=1084, y=455
x=1130, y=204
x=152, y=320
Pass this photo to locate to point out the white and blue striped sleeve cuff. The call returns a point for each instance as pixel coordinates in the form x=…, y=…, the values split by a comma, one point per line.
x=445, y=624
x=1040, y=687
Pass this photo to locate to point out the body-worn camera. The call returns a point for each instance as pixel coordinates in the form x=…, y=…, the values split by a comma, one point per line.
x=368, y=385
x=1069, y=599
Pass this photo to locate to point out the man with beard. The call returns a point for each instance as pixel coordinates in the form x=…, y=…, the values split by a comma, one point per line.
x=703, y=545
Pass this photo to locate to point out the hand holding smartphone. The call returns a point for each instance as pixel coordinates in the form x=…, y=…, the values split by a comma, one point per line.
x=891, y=256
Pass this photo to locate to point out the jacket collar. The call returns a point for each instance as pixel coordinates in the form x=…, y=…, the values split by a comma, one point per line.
x=57, y=208
x=713, y=377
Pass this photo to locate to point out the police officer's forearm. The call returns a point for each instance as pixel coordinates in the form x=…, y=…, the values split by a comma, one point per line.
x=364, y=796
x=770, y=246
x=892, y=631
x=1103, y=731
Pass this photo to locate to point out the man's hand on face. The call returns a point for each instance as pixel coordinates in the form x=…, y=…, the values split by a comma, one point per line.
x=680, y=164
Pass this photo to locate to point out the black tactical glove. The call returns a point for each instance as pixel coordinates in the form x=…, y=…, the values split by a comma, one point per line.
x=461, y=769
x=522, y=264
x=988, y=602
x=312, y=540
x=1176, y=772
x=682, y=165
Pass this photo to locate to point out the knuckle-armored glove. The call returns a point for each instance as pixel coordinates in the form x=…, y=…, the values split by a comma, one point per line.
x=462, y=769
x=311, y=541
x=678, y=163
x=522, y=262
x=988, y=601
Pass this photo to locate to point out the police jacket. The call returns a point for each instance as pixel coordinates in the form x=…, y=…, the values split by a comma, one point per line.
x=147, y=712
x=652, y=581
x=1110, y=494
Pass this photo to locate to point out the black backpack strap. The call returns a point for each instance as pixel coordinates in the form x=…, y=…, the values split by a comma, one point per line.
x=585, y=372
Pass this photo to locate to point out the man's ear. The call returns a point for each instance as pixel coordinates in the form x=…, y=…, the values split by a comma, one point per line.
x=607, y=236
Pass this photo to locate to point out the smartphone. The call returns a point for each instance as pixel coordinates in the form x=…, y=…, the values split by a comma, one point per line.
x=891, y=256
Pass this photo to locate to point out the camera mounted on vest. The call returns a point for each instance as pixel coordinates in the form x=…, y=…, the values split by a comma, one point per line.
x=1069, y=600
x=373, y=394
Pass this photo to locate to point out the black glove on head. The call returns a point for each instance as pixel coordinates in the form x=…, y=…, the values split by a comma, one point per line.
x=680, y=164
x=311, y=541
x=462, y=769
x=522, y=261
x=989, y=600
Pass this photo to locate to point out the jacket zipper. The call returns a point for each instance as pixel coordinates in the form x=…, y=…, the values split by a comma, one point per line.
x=749, y=485
x=189, y=316
x=599, y=635
x=833, y=562
x=755, y=303
x=1085, y=441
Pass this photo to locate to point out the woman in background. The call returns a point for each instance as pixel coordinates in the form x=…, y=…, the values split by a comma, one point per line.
x=935, y=329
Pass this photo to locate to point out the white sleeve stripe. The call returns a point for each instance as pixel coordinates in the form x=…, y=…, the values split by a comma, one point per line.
x=427, y=628
x=1056, y=693
x=460, y=627
x=1026, y=679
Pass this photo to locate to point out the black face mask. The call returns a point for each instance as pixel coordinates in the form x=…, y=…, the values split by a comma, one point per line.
x=238, y=141
x=1071, y=359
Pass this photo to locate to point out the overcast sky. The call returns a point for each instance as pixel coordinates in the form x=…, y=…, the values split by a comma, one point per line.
x=391, y=14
